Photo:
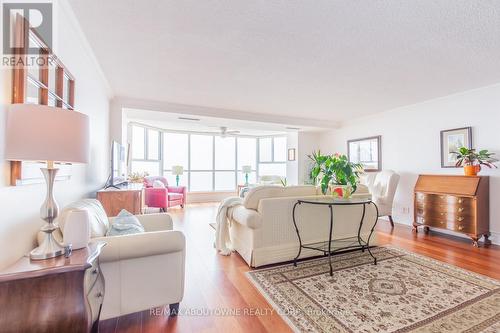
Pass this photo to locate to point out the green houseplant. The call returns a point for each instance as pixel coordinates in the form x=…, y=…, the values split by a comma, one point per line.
x=334, y=169
x=472, y=160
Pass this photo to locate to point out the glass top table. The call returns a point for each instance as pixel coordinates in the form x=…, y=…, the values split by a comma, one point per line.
x=329, y=200
x=351, y=243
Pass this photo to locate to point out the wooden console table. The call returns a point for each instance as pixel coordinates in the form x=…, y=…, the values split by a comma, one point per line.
x=114, y=200
x=53, y=295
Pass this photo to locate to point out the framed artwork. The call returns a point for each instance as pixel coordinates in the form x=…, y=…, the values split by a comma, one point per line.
x=451, y=141
x=291, y=154
x=367, y=152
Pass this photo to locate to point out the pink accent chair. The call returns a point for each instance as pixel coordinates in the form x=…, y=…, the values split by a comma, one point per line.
x=163, y=198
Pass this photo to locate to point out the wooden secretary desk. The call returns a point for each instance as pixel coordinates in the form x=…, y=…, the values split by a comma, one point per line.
x=456, y=203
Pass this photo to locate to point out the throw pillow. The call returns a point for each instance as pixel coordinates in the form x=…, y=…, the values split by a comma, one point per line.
x=158, y=184
x=125, y=223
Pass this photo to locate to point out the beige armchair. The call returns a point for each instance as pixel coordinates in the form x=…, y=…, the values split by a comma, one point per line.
x=141, y=271
x=383, y=186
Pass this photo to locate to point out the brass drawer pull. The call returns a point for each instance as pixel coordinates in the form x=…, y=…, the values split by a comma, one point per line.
x=460, y=227
x=441, y=222
x=461, y=209
x=460, y=201
x=442, y=214
x=460, y=219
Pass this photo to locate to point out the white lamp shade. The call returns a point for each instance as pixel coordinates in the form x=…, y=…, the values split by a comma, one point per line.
x=246, y=168
x=177, y=170
x=44, y=133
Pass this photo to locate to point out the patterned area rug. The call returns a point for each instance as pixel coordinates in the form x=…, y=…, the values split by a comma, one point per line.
x=404, y=292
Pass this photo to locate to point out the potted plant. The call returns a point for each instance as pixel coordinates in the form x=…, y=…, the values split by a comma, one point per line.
x=335, y=172
x=472, y=160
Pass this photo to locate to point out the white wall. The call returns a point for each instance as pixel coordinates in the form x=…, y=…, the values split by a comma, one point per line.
x=292, y=167
x=20, y=205
x=411, y=141
x=307, y=143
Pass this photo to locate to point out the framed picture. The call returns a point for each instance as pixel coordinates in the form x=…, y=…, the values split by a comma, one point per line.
x=451, y=141
x=291, y=154
x=367, y=152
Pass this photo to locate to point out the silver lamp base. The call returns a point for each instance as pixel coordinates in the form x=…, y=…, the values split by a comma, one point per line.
x=49, y=247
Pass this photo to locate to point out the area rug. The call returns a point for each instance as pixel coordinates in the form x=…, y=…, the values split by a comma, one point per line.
x=404, y=292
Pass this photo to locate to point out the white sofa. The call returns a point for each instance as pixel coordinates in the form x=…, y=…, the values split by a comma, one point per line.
x=262, y=230
x=142, y=270
x=383, y=185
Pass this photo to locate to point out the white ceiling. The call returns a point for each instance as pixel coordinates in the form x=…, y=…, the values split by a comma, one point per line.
x=319, y=59
x=172, y=121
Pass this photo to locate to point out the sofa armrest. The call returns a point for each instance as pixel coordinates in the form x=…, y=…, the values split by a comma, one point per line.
x=141, y=245
x=245, y=216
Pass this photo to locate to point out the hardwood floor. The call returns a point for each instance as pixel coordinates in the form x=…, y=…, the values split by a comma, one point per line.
x=217, y=283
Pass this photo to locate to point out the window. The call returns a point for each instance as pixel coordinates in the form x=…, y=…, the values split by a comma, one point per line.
x=175, y=150
x=225, y=153
x=247, y=154
x=272, y=156
x=279, y=150
x=266, y=150
x=210, y=162
x=153, y=144
x=201, y=156
x=138, y=142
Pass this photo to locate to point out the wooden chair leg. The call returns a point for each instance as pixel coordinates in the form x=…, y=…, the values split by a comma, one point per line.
x=391, y=220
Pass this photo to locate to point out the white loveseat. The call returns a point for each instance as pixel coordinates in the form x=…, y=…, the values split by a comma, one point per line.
x=141, y=271
x=262, y=229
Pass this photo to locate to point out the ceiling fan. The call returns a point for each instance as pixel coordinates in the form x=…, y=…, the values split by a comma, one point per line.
x=224, y=131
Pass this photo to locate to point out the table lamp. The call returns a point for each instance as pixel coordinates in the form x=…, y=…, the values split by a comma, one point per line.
x=44, y=133
x=246, y=169
x=177, y=171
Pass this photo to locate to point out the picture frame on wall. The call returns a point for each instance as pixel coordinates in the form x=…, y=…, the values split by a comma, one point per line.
x=451, y=141
x=367, y=152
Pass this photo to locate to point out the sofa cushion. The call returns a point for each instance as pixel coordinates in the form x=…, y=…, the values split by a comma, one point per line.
x=253, y=197
x=98, y=219
x=175, y=196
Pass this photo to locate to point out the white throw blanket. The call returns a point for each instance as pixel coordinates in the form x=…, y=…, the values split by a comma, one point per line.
x=222, y=237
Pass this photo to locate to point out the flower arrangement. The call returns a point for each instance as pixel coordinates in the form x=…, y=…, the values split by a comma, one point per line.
x=337, y=170
x=137, y=177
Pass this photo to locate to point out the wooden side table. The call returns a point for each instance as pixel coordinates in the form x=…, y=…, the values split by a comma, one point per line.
x=114, y=200
x=53, y=295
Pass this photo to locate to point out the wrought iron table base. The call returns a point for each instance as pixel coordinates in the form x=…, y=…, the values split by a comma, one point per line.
x=361, y=243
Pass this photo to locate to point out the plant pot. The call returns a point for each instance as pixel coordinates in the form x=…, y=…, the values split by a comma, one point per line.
x=341, y=191
x=472, y=170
